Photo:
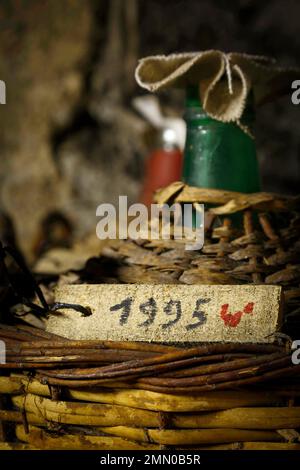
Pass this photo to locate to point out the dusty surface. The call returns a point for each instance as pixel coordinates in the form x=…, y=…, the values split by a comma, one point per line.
x=169, y=313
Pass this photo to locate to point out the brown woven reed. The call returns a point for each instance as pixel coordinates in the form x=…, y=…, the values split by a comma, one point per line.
x=249, y=238
x=61, y=394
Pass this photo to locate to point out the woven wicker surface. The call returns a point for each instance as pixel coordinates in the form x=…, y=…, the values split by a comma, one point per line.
x=62, y=394
x=248, y=239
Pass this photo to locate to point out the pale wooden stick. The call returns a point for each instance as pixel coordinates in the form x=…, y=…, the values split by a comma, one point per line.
x=43, y=440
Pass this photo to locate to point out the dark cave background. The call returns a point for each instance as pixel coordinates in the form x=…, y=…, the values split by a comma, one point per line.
x=70, y=138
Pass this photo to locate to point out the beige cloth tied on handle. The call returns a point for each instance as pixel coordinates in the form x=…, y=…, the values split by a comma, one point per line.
x=224, y=79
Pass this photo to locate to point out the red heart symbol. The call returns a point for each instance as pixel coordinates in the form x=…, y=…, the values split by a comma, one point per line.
x=233, y=319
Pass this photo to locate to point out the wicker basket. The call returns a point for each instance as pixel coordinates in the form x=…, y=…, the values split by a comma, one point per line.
x=249, y=238
x=63, y=394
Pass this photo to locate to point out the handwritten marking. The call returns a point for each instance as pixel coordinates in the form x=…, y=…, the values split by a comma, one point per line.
x=233, y=319
x=198, y=314
x=126, y=306
x=171, y=313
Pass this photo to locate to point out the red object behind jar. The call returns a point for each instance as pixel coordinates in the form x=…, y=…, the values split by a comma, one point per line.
x=163, y=166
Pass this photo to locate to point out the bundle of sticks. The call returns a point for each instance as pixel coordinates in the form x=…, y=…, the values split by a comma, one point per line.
x=60, y=362
x=63, y=394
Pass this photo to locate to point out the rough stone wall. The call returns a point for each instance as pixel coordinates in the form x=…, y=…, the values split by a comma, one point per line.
x=44, y=45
